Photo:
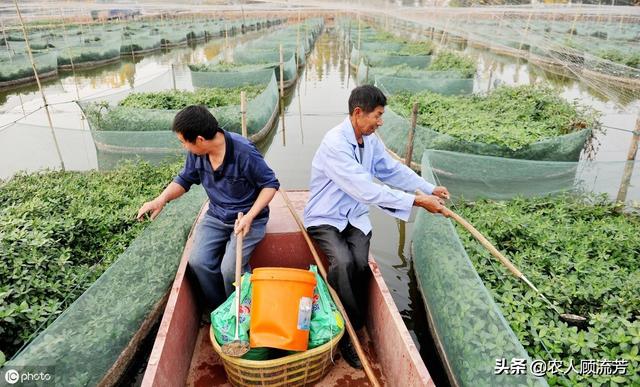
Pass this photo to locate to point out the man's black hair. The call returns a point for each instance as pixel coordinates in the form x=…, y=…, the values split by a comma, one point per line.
x=194, y=121
x=366, y=97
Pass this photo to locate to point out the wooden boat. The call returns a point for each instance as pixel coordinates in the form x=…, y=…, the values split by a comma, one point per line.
x=183, y=355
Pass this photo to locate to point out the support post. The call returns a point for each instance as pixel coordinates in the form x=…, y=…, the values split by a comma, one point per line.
x=35, y=73
x=410, y=136
x=243, y=111
x=173, y=76
x=628, y=168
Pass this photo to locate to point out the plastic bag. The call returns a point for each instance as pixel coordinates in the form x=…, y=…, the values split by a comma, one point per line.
x=326, y=320
x=223, y=320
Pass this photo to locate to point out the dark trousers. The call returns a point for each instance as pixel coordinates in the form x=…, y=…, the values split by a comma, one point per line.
x=349, y=273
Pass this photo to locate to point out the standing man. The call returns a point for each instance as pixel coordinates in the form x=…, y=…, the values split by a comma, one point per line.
x=237, y=181
x=341, y=190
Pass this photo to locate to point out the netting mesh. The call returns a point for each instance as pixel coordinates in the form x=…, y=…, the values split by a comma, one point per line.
x=15, y=69
x=128, y=129
x=475, y=177
x=101, y=322
x=236, y=76
x=468, y=325
x=395, y=129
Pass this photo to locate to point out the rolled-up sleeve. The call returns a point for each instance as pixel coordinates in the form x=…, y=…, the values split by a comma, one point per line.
x=262, y=175
x=352, y=178
x=393, y=172
x=189, y=175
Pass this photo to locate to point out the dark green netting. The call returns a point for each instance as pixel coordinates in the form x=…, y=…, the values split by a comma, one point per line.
x=236, y=76
x=475, y=177
x=441, y=82
x=15, y=68
x=125, y=129
x=88, y=337
x=468, y=326
x=395, y=129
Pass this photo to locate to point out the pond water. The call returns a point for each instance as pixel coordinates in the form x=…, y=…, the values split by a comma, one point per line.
x=317, y=103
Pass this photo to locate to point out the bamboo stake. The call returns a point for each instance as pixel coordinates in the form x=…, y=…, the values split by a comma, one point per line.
x=444, y=32
x=35, y=73
x=412, y=130
x=66, y=43
x=281, y=72
x=300, y=112
x=628, y=168
x=336, y=299
x=526, y=31
x=173, y=76
x=359, y=31
x=6, y=42
x=243, y=111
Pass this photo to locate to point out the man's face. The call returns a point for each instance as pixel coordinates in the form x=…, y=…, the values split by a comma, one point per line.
x=369, y=122
x=193, y=147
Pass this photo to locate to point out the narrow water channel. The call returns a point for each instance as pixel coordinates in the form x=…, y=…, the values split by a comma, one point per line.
x=317, y=103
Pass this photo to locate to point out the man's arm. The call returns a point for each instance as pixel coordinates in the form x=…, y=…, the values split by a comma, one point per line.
x=339, y=165
x=264, y=198
x=173, y=191
x=393, y=172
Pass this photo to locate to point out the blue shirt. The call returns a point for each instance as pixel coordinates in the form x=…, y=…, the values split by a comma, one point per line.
x=342, y=186
x=235, y=185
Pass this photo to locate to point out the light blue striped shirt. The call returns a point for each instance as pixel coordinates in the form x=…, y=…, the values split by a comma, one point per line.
x=342, y=186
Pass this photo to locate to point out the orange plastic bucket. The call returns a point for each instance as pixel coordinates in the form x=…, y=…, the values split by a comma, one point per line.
x=281, y=302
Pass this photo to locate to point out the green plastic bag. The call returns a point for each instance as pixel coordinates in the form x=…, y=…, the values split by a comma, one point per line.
x=326, y=320
x=223, y=320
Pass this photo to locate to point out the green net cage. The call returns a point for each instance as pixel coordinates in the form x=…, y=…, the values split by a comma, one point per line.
x=126, y=129
x=467, y=313
x=103, y=320
x=394, y=133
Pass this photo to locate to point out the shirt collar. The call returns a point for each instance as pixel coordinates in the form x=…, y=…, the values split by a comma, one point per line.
x=228, y=156
x=349, y=132
x=229, y=149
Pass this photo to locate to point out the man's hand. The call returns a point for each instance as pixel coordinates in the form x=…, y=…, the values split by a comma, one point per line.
x=430, y=203
x=243, y=224
x=155, y=206
x=441, y=192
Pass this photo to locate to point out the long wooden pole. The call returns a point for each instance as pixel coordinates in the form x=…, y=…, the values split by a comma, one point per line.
x=35, y=73
x=66, y=42
x=243, y=111
x=352, y=333
x=628, y=168
x=412, y=130
x=281, y=72
x=6, y=42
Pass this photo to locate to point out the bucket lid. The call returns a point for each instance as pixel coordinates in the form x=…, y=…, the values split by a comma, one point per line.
x=283, y=274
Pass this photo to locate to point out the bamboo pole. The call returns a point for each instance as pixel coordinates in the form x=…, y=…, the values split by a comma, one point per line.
x=526, y=31
x=410, y=136
x=336, y=299
x=173, y=76
x=6, y=42
x=281, y=72
x=444, y=32
x=35, y=73
x=243, y=111
x=359, y=31
x=628, y=168
x=66, y=43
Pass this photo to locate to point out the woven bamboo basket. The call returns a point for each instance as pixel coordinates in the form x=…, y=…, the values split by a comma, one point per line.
x=294, y=370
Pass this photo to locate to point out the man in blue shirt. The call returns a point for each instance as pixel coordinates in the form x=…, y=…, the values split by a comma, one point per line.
x=237, y=180
x=341, y=190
